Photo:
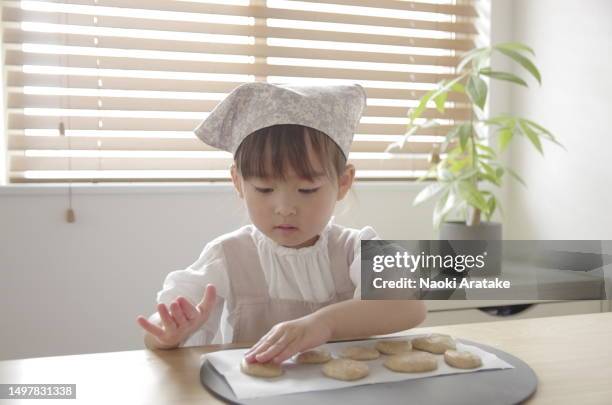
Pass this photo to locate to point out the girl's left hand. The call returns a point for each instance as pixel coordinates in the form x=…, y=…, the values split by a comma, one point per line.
x=288, y=338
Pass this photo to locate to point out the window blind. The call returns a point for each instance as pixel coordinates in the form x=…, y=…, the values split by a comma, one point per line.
x=110, y=90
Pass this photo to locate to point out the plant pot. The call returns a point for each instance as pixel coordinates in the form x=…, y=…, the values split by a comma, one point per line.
x=456, y=238
x=458, y=230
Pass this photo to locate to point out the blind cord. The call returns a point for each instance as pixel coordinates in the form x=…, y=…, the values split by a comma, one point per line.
x=70, y=217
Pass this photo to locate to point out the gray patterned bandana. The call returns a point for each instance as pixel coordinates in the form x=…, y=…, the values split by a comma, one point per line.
x=332, y=109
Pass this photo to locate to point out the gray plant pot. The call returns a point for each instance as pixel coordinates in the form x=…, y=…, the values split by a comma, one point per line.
x=486, y=237
x=456, y=230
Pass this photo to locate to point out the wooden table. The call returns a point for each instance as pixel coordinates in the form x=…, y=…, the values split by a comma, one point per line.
x=571, y=355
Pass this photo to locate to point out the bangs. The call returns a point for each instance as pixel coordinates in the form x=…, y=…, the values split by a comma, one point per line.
x=272, y=151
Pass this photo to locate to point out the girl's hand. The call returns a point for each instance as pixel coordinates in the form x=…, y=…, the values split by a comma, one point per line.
x=288, y=338
x=182, y=320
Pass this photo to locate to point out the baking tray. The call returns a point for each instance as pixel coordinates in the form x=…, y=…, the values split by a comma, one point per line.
x=507, y=386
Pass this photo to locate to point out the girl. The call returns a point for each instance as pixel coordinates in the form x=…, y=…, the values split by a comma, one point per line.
x=291, y=280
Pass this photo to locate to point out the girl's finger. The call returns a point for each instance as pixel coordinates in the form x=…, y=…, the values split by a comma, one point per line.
x=260, y=341
x=289, y=351
x=208, y=301
x=266, y=355
x=150, y=327
x=166, y=318
x=272, y=336
x=188, y=309
x=177, y=314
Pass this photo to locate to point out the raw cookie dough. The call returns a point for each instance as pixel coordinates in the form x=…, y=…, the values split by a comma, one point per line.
x=462, y=359
x=266, y=370
x=345, y=369
x=359, y=353
x=412, y=362
x=434, y=343
x=393, y=346
x=315, y=356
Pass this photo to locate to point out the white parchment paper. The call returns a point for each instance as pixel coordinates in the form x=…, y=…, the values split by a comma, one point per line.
x=309, y=377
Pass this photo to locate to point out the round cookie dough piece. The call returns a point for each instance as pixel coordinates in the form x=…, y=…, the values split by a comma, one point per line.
x=315, y=356
x=412, y=362
x=359, y=353
x=345, y=369
x=265, y=370
x=393, y=346
x=462, y=359
x=434, y=343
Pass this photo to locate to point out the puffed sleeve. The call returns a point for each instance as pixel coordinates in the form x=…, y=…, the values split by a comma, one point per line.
x=367, y=233
x=190, y=283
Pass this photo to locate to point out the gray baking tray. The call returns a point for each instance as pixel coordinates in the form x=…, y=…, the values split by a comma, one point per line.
x=508, y=386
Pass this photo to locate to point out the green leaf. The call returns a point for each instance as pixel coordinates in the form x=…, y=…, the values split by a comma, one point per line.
x=429, y=192
x=524, y=62
x=500, y=120
x=458, y=131
x=490, y=178
x=418, y=110
x=485, y=148
x=485, y=155
x=458, y=87
x=488, y=169
x=480, y=60
x=468, y=174
x=516, y=176
x=509, y=77
x=464, y=135
x=445, y=86
x=444, y=206
x=536, y=126
x=491, y=205
x=531, y=135
x=458, y=165
x=465, y=59
x=477, y=90
x=544, y=131
x=505, y=136
x=440, y=100
x=514, y=46
x=470, y=193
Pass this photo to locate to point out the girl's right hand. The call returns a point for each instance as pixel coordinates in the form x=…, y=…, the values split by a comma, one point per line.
x=182, y=320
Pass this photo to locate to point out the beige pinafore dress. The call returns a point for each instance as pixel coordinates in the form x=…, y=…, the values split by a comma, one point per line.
x=251, y=310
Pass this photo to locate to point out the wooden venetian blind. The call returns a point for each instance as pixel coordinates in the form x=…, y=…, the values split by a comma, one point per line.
x=110, y=90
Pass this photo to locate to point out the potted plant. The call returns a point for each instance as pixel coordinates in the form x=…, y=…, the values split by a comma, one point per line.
x=467, y=165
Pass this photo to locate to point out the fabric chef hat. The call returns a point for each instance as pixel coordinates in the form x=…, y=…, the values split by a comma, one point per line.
x=332, y=109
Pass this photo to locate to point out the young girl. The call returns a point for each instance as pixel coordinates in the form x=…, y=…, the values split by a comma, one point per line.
x=290, y=281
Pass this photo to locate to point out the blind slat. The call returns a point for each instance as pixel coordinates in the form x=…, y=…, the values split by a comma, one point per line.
x=20, y=79
x=203, y=106
x=271, y=13
x=22, y=163
x=16, y=36
x=179, y=176
x=17, y=57
x=19, y=121
x=134, y=22
x=463, y=10
x=23, y=143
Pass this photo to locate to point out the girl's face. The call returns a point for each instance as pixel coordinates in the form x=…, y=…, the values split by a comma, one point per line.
x=295, y=211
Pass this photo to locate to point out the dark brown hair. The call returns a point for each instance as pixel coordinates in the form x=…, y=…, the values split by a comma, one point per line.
x=286, y=144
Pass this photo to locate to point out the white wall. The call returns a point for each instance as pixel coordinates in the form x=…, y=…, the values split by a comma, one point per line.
x=569, y=193
x=77, y=288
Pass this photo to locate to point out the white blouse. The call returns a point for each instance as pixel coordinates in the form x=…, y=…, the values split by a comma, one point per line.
x=302, y=274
